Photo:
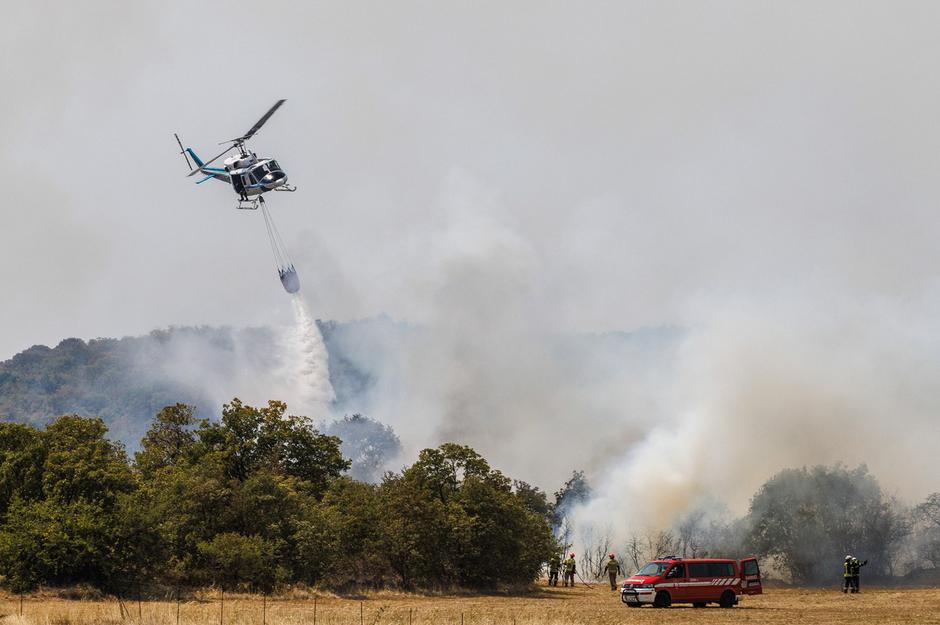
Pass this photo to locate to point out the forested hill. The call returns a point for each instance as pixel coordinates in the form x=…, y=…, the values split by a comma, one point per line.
x=127, y=381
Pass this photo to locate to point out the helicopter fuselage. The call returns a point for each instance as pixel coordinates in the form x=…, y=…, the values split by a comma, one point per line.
x=251, y=176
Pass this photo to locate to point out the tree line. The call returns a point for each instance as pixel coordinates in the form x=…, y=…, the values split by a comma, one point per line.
x=801, y=523
x=259, y=498
x=254, y=500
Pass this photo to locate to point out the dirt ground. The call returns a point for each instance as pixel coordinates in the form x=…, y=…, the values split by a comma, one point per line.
x=555, y=606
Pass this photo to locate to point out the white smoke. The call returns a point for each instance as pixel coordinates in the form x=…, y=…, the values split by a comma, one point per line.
x=764, y=376
x=286, y=362
x=765, y=386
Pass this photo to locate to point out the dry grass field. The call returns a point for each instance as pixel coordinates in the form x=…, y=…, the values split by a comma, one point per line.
x=580, y=606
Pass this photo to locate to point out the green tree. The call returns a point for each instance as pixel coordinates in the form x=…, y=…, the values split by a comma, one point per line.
x=252, y=438
x=72, y=529
x=414, y=532
x=169, y=439
x=452, y=520
x=575, y=491
x=927, y=519
x=22, y=456
x=82, y=464
x=188, y=504
x=242, y=560
x=253, y=474
x=808, y=519
x=533, y=499
x=253, y=500
x=53, y=542
x=343, y=538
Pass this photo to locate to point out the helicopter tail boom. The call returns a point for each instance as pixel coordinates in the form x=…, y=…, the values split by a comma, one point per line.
x=196, y=159
x=210, y=172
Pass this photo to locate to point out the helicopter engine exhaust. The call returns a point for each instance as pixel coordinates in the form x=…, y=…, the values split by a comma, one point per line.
x=282, y=260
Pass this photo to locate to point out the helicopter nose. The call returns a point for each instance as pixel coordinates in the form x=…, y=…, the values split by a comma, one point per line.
x=274, y=179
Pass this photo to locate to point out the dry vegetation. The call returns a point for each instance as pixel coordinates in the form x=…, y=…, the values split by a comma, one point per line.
x=548, y=607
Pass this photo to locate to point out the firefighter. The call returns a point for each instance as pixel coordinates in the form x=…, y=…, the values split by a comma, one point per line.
x=554, y=563
x=613, y=569
x=856, y=573
x=569, y=567
x=847, y=575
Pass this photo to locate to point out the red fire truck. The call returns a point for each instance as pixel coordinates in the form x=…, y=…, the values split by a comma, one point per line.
x=698, y=581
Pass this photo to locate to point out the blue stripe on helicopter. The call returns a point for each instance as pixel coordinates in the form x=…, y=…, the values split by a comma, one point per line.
x=196, y=159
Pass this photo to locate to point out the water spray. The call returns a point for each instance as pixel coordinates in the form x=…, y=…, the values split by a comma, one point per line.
x=307, y=370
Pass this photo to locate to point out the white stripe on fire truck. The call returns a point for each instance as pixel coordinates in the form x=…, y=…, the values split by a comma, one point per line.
x=716, y=582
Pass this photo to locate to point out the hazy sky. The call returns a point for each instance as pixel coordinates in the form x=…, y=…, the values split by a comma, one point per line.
x=644, y=155
x=764, y=174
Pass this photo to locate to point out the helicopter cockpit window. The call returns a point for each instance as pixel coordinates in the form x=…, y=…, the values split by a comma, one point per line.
x=258, y=173
x=273, y=166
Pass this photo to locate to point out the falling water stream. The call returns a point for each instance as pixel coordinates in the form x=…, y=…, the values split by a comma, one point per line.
x=306, y=363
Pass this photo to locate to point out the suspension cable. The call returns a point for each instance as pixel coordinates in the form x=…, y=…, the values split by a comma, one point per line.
x=274, y=239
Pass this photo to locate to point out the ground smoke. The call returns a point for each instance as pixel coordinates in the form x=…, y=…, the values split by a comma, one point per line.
x=761, y=388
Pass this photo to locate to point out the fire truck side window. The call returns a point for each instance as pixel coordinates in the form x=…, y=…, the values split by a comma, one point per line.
x=750, y=568
x=676, y=571
x=720, y=569
x=698, y=569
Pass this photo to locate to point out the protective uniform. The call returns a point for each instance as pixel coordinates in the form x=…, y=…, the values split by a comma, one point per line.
x=613, y=569
x=554, y=563
x=856, y=568
x=847, y=575
x=569, y=567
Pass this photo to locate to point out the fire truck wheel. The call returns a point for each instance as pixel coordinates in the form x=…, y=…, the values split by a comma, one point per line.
x=727, y=599
x=700, y=604
x=662, y=600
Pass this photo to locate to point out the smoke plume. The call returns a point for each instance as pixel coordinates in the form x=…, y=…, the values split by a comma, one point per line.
x=764, y=386
x=778, y=374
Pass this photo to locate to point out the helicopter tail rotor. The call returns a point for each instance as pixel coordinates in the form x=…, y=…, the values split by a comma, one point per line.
x=183, y=151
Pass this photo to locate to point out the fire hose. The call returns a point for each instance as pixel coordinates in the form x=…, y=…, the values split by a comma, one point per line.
x=582, y=579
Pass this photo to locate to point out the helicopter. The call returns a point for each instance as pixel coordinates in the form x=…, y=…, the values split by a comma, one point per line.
x=249, y=175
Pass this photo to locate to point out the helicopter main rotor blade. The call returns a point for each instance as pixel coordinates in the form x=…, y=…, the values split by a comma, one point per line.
x=251, y=132
x=213, y=159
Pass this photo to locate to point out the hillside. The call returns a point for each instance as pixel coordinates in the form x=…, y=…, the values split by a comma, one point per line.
x=126, y=381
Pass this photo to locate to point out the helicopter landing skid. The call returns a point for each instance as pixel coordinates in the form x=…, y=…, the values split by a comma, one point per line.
x=248, y=205
x=288, y=188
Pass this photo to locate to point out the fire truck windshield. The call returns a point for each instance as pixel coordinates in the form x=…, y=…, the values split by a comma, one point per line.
x=653, y=568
